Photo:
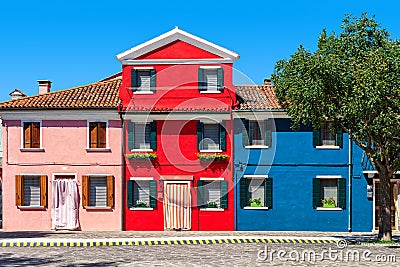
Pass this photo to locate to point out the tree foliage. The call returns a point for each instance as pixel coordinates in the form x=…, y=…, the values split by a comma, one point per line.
x=352, y=78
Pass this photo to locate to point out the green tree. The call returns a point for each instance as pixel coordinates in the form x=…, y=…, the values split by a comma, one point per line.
x=353, y=78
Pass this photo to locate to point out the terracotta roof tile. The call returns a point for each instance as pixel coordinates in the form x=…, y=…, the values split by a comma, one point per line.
x=99, y=95
x=257, y=97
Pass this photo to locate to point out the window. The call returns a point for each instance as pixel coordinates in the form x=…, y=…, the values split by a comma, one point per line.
x=143, y=80
x=329, y=193
x=142, y=136
x=98, y=191
x=142, y=194
x=211, y=136
x=31, y=135
x=257, y=133
x=97, y=135
x=212, y=194
x=326, y=136
x=31, y=190
x=256, y=192
x=211, y=79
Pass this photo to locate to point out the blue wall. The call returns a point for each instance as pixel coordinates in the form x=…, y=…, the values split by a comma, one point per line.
x=292, y=162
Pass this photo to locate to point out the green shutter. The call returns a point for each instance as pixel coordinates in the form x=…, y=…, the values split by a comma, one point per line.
x=316, y=138
x=224, y=194
x=130, y=193
x=131, y=135
x=222, y=136
x=199, y=135
x=153, y=80
x=202, y=86
x=200, y=194
x=243, y=192
x=245, y=132
x=220, y=77
x=268, y=193
x=268, y=133
x=153, y=135
x=339, y=138
x=153, y=194
x=134, y=80
x=316, y=193
x=342, y=193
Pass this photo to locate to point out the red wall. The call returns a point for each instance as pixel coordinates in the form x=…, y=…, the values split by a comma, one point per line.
x=176, y=88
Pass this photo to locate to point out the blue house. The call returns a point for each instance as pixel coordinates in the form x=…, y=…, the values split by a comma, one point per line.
x=289, y=180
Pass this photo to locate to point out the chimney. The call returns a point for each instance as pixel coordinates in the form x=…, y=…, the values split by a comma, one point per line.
x=44, y=86
x=17, y=94
x=267, y=82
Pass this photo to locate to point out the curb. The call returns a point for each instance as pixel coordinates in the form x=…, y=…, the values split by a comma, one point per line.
x=152, y=242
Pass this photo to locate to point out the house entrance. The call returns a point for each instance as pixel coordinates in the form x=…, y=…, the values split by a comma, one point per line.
x=177, y=206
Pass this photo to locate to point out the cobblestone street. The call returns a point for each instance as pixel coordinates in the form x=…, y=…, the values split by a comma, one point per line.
x=202, y=255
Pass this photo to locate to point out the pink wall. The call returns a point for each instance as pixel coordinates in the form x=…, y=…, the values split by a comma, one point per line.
x=64, y=144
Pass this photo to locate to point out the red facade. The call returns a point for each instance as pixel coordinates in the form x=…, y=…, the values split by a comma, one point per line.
x=175, y=120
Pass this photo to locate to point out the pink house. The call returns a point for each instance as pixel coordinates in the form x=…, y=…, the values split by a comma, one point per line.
x=62, y=159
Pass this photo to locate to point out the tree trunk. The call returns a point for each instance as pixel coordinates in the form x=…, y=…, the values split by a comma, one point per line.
x=385, y=225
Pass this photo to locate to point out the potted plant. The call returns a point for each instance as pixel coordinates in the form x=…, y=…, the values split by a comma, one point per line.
x=141, y=204
x=255, y=202
x=212, y=156
x=212, y=204
x=142, y=156
x=329, y=203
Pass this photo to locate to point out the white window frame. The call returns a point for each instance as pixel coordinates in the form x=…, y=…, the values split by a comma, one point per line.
x=251, y=138
x=142, y=179
x=23, y=207
x=327, y=147
x=134, y=136
x=139, y=92
x=255, y=177
x=211, y=68
x=329, y=177
x=88, y=148
x=22, y=148
x=211, y=150
x=212, y=179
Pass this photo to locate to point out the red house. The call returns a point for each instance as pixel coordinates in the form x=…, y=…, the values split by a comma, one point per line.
x=177, y=98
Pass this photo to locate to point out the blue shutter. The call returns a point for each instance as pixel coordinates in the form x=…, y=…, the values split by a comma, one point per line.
x=222, y=136
x=153, y=80
x=339, y=138
x=130, y=193
x=224, y=194
x=153, y=135
x=268, y=193
x=268, y=133
x=131, y=135
x=316, y=193
x=202, y=86
x=243, y=192
x=341, y=193
x=134, y=80
x=153, y=194
x=199, y=135
x=220, y=78
x=316, y=138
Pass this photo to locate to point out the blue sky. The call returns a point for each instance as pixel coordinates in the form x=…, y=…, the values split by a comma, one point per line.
x=74, y=42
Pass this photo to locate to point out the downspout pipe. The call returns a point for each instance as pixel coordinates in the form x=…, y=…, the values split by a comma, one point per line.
x=123, y=173
x=350, y=185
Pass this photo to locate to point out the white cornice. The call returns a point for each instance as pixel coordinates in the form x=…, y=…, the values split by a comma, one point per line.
x=60, y=115
x=262, y=114
x=171, y=36
x=176, y=61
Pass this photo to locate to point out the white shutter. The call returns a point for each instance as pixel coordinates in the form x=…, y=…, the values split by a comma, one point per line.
x=98, y=191
x=142, y=136
x=31, y=190
x=211, y=79
x=141, y=191
x=256, y=189
x=143, y=80
x=211, y=137
x=212, y=192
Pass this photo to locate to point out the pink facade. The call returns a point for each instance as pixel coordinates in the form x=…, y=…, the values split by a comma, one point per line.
x=64, y=151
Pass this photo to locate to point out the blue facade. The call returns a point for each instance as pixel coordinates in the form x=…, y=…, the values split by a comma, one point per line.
x=292, y=162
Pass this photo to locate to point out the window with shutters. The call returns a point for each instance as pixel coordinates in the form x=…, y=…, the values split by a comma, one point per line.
x=327, y=136
x=31, y=190
x=211, y=137
x=256, y=193
x=97, y=191
x=142, y=136
x=211, y=79
x=257, y=134
x=31, y=135
x=329, y=193
x=97, y=134
x=142, y=194
x=212, y=194
x=143, y=81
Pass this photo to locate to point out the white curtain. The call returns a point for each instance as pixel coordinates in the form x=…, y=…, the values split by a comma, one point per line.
x=65, y=209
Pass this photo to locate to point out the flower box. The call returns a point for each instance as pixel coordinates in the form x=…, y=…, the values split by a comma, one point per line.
x=141, y=156
x=255, y=205
x=328, y=205
x=212, y=156
x=212, y=204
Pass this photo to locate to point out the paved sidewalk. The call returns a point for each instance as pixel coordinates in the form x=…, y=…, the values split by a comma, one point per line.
x=131, y=238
